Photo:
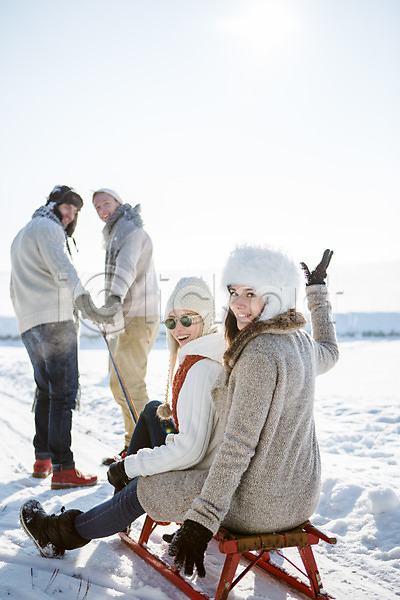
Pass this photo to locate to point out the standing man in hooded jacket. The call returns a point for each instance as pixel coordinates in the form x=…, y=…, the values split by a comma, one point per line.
x=43, y=287
x=130, y=283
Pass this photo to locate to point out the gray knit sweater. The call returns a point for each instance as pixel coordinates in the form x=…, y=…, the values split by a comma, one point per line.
x=266, y=473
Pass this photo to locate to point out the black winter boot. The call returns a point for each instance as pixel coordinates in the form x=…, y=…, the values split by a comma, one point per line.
x=51, y=534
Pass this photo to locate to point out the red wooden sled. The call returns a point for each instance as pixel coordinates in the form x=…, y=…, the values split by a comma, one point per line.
x=255, y=549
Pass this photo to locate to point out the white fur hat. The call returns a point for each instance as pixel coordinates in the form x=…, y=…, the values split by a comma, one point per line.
x=271, y=273
x=110, y=192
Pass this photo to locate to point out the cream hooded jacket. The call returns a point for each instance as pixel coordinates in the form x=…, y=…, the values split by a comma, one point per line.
x=266, y=472
x=196, y=415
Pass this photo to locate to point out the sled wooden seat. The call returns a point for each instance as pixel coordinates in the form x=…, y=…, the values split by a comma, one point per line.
x=255, y=549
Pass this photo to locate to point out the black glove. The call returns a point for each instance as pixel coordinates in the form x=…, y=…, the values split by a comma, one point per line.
x=318, y=276
x=117, y=476
x=188, y=546
x=111, y=307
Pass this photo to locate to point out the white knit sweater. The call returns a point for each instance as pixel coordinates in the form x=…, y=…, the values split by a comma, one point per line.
x=196, y=415
x=43, y=278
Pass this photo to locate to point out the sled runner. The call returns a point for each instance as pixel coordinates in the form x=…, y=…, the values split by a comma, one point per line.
x=255, y=549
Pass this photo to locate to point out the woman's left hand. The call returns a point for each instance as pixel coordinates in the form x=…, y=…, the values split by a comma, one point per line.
x=188, y=546
x=318, y=276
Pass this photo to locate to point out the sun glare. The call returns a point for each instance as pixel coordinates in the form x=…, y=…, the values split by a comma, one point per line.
x=262, y=26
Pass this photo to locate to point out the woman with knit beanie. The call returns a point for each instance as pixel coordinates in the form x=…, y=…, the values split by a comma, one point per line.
x=167, y=438
x=191, y=337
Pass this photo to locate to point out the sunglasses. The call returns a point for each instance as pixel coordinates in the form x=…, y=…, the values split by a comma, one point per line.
x=184, y=320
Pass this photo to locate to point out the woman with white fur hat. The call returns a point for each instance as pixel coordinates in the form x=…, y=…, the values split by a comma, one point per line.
x=266, y=474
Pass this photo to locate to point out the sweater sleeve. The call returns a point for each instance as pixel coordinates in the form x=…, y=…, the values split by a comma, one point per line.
x=125, y=270
x=253, y=391
x=195, y=410
x=326, y=349
x=50, y=240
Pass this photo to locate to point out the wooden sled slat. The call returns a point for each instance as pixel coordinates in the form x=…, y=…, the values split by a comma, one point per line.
x=253, y=548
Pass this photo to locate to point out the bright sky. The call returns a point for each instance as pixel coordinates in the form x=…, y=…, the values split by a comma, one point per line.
x=229, y=121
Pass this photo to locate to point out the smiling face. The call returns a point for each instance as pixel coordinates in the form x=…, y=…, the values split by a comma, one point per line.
x=245, y=304
x=105, y=205
x=68, y=213
x=182, y=334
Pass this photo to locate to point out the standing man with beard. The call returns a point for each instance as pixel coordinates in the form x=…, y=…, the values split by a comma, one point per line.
x=44, y=285
x=130, y=283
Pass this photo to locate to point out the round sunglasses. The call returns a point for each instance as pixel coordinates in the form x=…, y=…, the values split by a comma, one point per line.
x=184, y=320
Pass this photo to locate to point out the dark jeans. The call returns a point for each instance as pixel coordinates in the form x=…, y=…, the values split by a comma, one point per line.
x=123, y=508
x=52, y=349
x=149, y=431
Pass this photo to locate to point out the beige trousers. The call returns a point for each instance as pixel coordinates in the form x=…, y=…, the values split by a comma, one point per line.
x=132, y=349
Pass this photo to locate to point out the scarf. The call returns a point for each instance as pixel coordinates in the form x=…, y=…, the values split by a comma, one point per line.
x=289, y=321
x=124, y=220
x=47, y=212
x=179, y=378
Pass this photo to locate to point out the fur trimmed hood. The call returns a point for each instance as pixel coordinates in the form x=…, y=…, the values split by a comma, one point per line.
x=286, y=322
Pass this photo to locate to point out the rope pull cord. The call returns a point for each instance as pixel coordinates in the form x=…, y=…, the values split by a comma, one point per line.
x=126, y=393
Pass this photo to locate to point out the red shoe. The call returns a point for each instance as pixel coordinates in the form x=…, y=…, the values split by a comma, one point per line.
x=71, y=478
x=42, y=468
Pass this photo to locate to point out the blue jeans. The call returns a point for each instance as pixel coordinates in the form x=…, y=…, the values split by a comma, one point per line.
x=52, y=349
x=149, y=430
x=111, y=516
x=123, y=508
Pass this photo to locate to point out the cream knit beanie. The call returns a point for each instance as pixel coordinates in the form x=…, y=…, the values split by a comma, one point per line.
x=110, y=192
x=271, y=273
x=193, y=294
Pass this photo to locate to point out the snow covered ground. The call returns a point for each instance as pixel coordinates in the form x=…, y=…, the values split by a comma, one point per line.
x=358, y=420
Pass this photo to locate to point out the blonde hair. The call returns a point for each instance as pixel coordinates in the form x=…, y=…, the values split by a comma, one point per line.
x=164, y=411
x=193, y=294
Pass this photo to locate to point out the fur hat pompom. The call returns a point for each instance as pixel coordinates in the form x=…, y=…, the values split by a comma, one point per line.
x=271, y=273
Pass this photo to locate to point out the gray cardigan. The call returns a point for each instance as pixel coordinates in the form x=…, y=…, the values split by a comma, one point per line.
x=266, y=473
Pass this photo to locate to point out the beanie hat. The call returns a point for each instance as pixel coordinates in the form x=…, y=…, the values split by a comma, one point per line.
x=190, y=293
x=110, y=192
x=271, y=273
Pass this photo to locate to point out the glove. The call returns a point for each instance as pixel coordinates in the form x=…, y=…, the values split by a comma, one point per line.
x=188, y=546
x=111, y=307
x=318, y=276
x=85, y=304
x=117, y=476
